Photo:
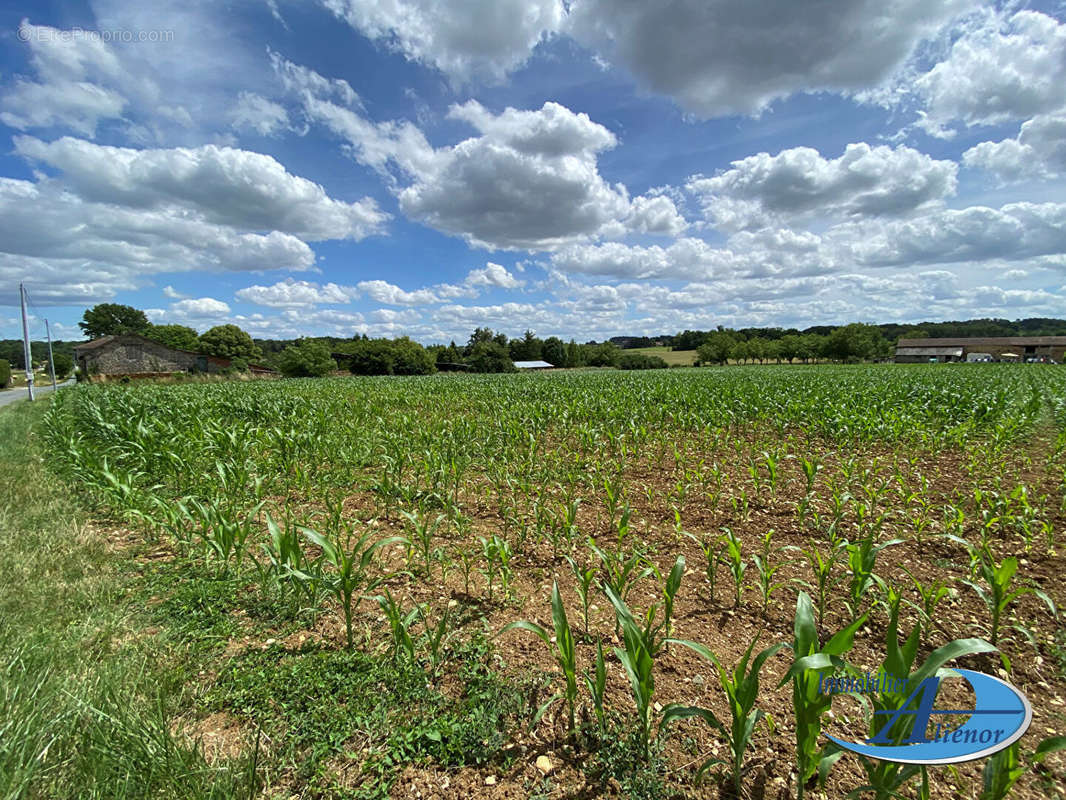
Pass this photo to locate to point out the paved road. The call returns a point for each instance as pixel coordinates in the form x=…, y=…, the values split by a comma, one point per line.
x=14, y=395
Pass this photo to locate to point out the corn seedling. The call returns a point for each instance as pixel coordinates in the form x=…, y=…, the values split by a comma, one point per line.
x=930, y=595
x=766, y=571
x=886, y=779
x=862, y=559
x=597, y=686
x=621, y=572
x=737, y=564
x=713, y=553
x=638, y=660
x=1004, y=769
x=586, y=579
x=809, y=703
x=403, y=644
x=565, y=653
x=997, y=594
x=351, y=559
x=497, y=555
x=421, y=540
x=741, y=687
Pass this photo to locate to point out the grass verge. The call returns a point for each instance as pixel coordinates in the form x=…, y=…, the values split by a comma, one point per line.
x=85, y=696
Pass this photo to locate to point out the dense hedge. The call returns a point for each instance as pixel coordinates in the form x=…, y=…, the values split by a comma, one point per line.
x=640, y=361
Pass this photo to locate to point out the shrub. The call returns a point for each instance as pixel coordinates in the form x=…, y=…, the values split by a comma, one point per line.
x=411, y=358
x=63, y=364
x=372, y=357
x=306, y=359
x=5, y=373
x=641, y=361
x=238, y=365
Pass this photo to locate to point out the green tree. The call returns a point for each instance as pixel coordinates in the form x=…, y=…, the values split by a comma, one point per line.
x=740, y=352
x=62, y=364
x=411, y=358
x=602, y=355
x=5, y=373
x=716, y=348
x=180, y=337
x=307, y=358
x=229, y=341
x=528, y=348
x=554, y=352
x=757, y=349
x=574, y=356
x=490, y=356
x=372, y=357
x=853, y=342
x=449, y=355
x=479, y=336
x=788, y=347
x=112, y=319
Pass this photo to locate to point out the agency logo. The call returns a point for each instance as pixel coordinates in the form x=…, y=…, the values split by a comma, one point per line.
x=919, y=733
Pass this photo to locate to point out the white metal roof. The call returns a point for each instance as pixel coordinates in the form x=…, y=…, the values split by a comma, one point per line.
x=533, y=364
x=928, y=351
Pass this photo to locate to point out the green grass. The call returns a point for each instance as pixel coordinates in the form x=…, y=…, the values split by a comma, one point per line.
x=345, y=723
x=85, y=697
x=685, y=358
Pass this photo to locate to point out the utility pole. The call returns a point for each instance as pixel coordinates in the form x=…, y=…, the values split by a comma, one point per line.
x=51, y=362
x=26, y=342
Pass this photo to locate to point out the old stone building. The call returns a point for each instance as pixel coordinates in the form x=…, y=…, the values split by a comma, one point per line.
x=136, y=356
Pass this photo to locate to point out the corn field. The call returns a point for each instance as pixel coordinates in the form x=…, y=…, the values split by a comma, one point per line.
x=672, y=552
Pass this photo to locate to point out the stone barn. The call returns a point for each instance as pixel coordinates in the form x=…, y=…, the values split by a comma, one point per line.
x=129, y=355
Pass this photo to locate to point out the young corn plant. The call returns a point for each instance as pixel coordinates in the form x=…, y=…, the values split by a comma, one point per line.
x=403, y=643
x=565, y=654
x=930, y=595
x=998, y=594
x=713, y=553
x=809, y=703
x=586, y=579
x=423, y=531
x=738, y=565
x=741, y=687
x=766, y=571
x=658, y=632
x=351, y=558
x=597, y=686
x=621, y=572
x=638, y=660
x=497, y=555
x=436, y=636
x=862, y=560
x=887, y=779
x=287, y=560
x=1004, y=769
x=822, y=567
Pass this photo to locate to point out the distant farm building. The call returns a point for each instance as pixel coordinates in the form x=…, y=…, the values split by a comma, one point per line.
x=135, y=356
x=1005, y=348
x=533, y=365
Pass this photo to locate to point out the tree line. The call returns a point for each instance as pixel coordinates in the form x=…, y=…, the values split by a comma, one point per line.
x=493, y=351
x=854, y=342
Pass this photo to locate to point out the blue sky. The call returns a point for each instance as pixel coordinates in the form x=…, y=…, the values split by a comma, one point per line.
x=587, y=169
